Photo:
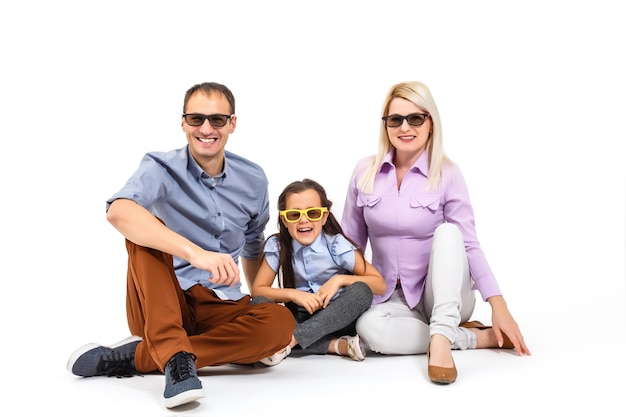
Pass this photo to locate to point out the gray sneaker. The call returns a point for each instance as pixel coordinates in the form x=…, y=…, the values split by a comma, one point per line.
x=115, y=360
x=182, y=384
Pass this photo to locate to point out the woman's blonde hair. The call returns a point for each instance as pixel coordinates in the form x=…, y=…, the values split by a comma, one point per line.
x=420, y=95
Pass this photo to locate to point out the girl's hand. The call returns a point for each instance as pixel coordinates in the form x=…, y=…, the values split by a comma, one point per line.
x=311, y=302
x=329, y=289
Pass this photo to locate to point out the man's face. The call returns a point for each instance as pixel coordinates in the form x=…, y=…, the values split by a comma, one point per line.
x=207, y=142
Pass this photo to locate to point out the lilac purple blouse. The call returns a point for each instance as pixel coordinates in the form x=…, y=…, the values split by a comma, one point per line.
x=400, y=225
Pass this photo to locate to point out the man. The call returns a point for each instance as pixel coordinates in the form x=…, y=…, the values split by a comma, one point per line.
x=188, y=216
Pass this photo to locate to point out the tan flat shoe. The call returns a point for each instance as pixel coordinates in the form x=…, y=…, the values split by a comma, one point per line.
x=507, y=344
x=439, y=374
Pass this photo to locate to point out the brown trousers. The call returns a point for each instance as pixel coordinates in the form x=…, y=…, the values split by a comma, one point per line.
x=171, y=320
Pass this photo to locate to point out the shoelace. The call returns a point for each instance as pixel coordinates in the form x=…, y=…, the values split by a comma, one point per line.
x=182, y=366
x=118, y=364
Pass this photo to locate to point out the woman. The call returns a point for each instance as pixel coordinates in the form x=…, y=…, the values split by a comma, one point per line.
x=411, y=202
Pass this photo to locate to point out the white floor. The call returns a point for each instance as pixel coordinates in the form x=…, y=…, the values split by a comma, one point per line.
x=575, y=331
x=532, y=101
x=562, y=377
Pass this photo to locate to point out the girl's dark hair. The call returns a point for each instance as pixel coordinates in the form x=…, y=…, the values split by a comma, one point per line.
x=332, y=227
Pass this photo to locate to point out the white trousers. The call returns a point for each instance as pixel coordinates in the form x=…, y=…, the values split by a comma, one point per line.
x=393, y=328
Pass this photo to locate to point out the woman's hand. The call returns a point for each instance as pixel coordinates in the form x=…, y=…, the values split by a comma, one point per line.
x=503, y=322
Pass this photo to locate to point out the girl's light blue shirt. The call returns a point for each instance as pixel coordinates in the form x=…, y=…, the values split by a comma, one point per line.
x=316, y=263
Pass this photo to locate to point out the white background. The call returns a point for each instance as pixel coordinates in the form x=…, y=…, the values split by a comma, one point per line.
x=531, y=95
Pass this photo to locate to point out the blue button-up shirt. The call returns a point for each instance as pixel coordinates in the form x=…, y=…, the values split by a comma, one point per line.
x=400, y=225
x=316, y=263
x=226, y=213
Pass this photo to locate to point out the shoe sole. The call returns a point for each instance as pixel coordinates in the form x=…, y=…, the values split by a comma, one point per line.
x=443, y=381
x=276, y=358
x=81, y=351
x=184, y=398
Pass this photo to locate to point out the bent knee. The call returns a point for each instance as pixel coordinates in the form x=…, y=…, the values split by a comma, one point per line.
x=369, y=325
x=362, y=289
x=361, y=294
x=447, y=229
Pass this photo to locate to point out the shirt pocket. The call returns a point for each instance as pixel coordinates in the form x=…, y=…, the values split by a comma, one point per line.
x=368, y=200
x=428, y=201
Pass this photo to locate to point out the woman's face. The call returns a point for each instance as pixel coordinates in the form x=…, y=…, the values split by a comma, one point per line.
x=304, y=231
x=409, y=141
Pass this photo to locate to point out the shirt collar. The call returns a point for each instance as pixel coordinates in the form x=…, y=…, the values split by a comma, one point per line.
x=421, y=165
x=317, y=245
x=198, y=172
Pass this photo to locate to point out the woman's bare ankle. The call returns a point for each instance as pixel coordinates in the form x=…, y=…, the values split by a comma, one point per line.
x=440, y=351
x=485, y=339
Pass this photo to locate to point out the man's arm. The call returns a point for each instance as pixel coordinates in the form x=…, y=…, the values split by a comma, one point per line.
x=142, y=228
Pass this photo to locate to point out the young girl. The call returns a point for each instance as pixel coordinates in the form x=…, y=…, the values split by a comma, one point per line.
x=324, y=278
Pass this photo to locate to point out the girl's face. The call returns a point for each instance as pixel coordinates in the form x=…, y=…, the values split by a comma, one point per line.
x=304, y=231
